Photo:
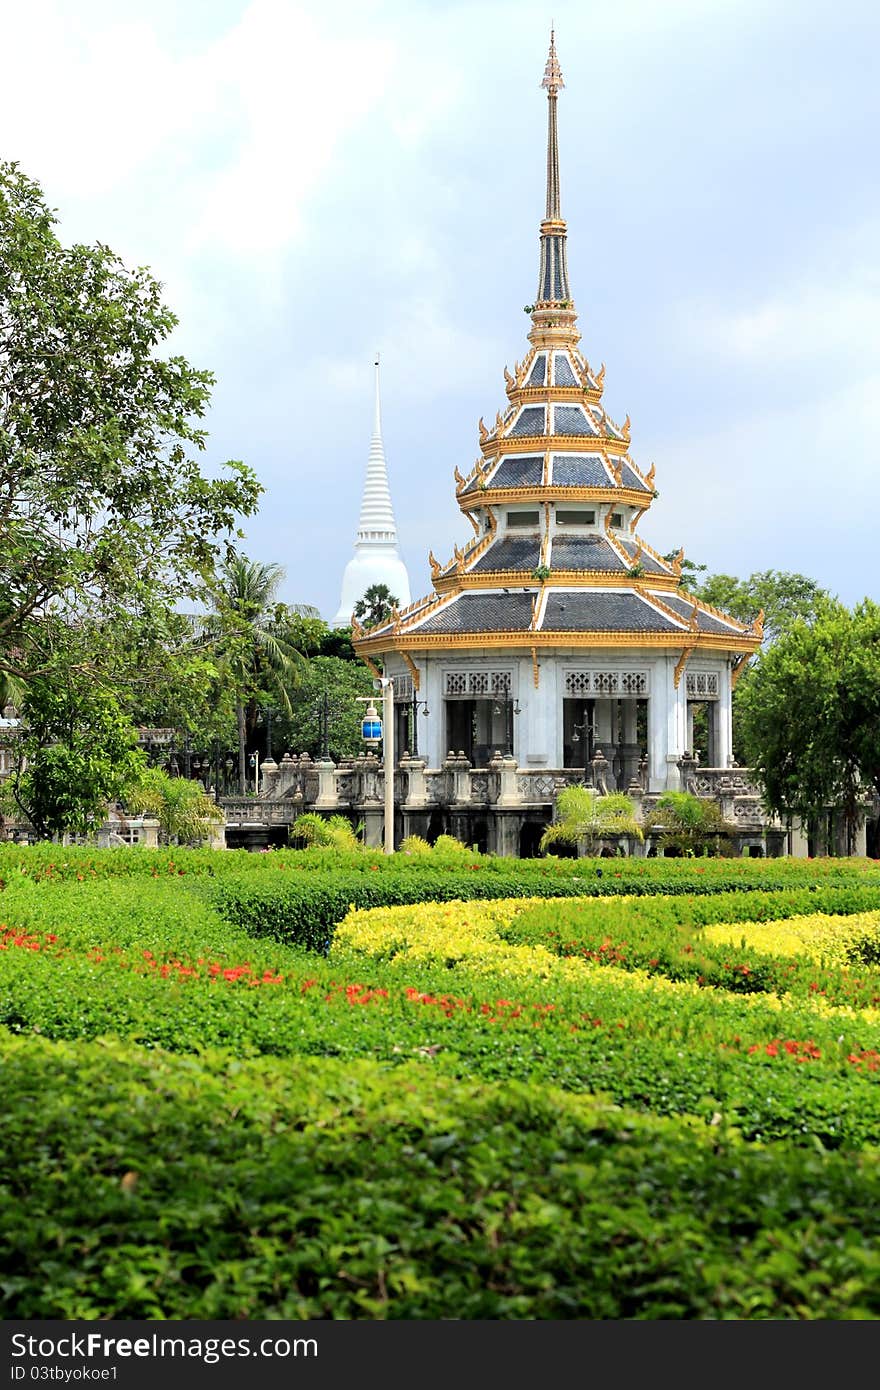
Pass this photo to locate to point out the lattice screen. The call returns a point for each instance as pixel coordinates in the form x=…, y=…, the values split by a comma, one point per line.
x=702, y=685
x=470, y=685
x=607, y=683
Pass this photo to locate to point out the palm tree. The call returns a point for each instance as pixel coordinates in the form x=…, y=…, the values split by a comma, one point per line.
x=259, y=658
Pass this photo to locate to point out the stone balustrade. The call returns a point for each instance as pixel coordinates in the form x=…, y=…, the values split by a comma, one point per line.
x=299, y=783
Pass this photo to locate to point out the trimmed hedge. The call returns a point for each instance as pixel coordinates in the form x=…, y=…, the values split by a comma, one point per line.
x=161, y=1187
x=303, y=910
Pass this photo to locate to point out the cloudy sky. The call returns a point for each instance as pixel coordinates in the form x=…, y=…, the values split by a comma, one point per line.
x=314, y=182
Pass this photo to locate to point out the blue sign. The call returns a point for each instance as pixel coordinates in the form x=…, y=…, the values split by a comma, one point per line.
x=371, y=730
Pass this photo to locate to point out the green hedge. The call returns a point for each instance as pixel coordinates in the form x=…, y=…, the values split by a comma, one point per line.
x=670, y=1052
x=303, y=909
x=160, y=1187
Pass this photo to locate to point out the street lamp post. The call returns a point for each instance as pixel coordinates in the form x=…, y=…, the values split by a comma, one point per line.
x=388, y=758
x=587, y=728
x=370, y=730
x=324, y=719
x=509, y=707
x=415, y=706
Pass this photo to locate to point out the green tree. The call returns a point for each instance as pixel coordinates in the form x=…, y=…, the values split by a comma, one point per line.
x=811, y=715
x=342, y=683
x=105, y=516
x=314, y=637
x=781, y=596
x=259, y=660
x=690, y=825
x=690, y=571
x=582, y=815
x=77, y=753
x=376, y=605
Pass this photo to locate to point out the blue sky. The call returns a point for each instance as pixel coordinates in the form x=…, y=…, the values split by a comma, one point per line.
x=312, y=183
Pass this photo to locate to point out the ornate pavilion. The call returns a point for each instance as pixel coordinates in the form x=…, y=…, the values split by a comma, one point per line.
x=558, y=637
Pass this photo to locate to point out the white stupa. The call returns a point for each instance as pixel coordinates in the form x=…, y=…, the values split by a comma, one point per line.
x=376, y=558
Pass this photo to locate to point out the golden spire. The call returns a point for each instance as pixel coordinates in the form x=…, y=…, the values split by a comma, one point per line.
x=553, y=314
x=552, y=81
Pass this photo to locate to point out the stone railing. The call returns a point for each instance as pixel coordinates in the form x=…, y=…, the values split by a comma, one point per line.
x=298, y=784
x=260, y=810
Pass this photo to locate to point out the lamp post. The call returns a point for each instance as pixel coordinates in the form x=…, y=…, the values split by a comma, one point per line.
x=388, y=758
x=415, y=706
x=372, y=730
x=506, y=705
x=324, y=724
x=589, y=729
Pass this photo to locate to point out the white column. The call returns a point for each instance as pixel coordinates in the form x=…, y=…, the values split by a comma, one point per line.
x=676, y=722
x=537, y=732
x=658, y=725
x=724, y=716
x=432, y=729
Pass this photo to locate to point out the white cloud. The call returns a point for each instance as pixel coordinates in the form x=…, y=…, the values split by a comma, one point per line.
x=823, y=313
x=295, y=86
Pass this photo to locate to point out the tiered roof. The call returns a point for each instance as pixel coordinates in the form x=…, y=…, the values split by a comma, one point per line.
x=555, y=446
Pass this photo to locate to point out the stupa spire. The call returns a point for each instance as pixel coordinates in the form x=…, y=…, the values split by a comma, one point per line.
x=377, y=525
x=377, y=558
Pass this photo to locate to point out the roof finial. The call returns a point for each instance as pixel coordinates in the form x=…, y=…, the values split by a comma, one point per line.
x=552, y=81
x=552, y=72
x=553, y=278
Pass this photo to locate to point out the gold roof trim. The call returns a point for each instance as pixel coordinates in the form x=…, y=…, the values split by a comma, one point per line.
x=492, y=444
x=554, y=395
x=559, y=579
x=526, y=638
x=467, y=555
x=414, y=671
x=503, y=496
x=655, y=555
x=664, y=608
x=679, y=666
x=522, y=369
x=701, y=605
x=478, y=472
x=737, y=669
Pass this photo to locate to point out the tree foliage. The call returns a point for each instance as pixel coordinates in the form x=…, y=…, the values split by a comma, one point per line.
x=77, y=753
x=104, y=512
x=315, y=832
x=782, y=597
x=811, y=714
x=342, y=683
x=376, y=605
x=186, y=814
x=258, y=660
